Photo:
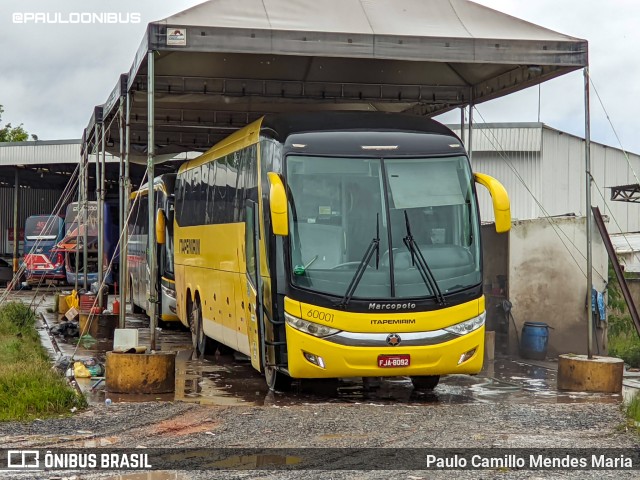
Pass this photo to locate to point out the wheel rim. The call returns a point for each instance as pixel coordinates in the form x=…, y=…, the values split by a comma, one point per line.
x=270, y=377
x=197, y=331
x=193, y=326
x=200, y=338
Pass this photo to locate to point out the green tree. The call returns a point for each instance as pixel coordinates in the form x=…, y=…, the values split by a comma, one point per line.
x=13, y=134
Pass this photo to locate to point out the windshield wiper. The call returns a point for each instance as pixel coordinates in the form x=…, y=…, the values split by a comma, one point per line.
x=374, y=246
x=418, y=260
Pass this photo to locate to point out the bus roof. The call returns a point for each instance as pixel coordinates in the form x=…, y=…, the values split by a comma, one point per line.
x=282, y=126
x=164, y=182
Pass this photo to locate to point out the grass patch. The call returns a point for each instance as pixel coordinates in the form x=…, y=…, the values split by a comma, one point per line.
x=627, y=347
x=29, y=388
x=622, y=335
x=633, y=408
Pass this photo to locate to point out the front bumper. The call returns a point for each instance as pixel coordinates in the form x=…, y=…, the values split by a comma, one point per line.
x=355, y=361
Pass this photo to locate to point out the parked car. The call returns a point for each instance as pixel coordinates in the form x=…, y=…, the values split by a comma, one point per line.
x=6, y=272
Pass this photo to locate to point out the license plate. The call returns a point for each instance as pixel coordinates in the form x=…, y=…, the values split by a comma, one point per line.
x=393, y=361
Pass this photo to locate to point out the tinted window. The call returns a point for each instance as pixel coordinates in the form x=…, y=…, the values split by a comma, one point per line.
x=216, y=192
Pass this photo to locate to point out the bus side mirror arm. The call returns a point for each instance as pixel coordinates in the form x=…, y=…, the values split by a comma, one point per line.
x=501, y=205
x=161, y=223
x=278, y=205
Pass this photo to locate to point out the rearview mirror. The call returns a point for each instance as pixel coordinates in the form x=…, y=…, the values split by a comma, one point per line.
x=501, y=205
x=278, y=205
x=161, y=223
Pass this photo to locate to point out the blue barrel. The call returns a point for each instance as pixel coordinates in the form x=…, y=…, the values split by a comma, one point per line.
x=534, y=340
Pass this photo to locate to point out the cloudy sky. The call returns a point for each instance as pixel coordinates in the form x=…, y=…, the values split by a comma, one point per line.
x=51, y=76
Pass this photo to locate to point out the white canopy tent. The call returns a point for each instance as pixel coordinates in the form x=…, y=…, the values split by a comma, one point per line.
x=204, y=72
x=224, y=63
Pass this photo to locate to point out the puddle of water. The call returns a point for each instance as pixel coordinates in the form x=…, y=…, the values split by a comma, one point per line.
x=223, y=380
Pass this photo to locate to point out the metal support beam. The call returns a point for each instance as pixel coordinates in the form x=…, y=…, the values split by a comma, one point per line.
x=152, y=247
x=613, y=257
x=81, y=193
x=626, y=193
x=100, y=168
x=587, y=162
x=462, y=125
x=122, y=224
x=16, y=235
x=470, y=145
x=124, y=251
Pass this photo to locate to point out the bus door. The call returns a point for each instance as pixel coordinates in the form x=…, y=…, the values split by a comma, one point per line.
x=253, y=306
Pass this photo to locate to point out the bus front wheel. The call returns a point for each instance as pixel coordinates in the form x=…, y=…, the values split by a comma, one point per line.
x=427, y=382
x=277, y=380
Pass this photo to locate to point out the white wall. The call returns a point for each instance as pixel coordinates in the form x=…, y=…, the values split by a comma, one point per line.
x=547, y=280
x=532, y=160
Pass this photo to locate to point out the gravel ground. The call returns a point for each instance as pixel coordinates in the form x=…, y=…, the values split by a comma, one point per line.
x=327, y=425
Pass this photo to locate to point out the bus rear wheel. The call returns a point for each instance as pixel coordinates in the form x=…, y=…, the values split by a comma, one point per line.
x=202, y=344
x=134, y=308
x=427, y=382
x=276, y=380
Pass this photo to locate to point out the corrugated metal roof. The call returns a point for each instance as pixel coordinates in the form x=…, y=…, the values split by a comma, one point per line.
x=507, y=137
x=39, y=153
x=43, y=153
x=626, y=243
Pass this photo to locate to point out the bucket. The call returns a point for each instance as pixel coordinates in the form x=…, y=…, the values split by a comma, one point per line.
x=534, y=340
x=100, y=327
x=63, y=306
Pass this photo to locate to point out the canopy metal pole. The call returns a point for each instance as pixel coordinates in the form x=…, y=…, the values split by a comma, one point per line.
x=462, y=124
x=16, y=235
x=470, y=146
x=122, y=226
x=124, y=250
x=78, y=210
x=152, y=248
x=100, y=197
x=587, y=161
x=86, y=211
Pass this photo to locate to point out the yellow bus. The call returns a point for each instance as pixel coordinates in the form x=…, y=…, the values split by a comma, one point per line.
x=138, y=250
x=342, y=244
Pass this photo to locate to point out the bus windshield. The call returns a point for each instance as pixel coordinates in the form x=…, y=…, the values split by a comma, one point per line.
x=43, y=228
x=340, y=205
x=74, y=218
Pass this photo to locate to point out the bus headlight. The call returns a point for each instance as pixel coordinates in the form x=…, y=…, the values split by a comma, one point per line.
x=467, y=326
x=311, y=328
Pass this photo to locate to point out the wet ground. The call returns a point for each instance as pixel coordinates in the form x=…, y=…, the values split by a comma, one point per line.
x=230, y=379
x=222, y=403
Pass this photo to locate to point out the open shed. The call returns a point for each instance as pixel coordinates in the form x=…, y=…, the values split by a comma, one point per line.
x=203, y=73
x=224, y=63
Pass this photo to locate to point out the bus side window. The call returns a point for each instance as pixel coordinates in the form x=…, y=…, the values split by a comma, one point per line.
x=250, y=242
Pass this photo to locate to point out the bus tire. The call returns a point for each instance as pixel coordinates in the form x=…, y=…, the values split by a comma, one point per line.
x=202, y=345
x=225, y=350
x=276, y=380
x=134, y=308
x=427, y=382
